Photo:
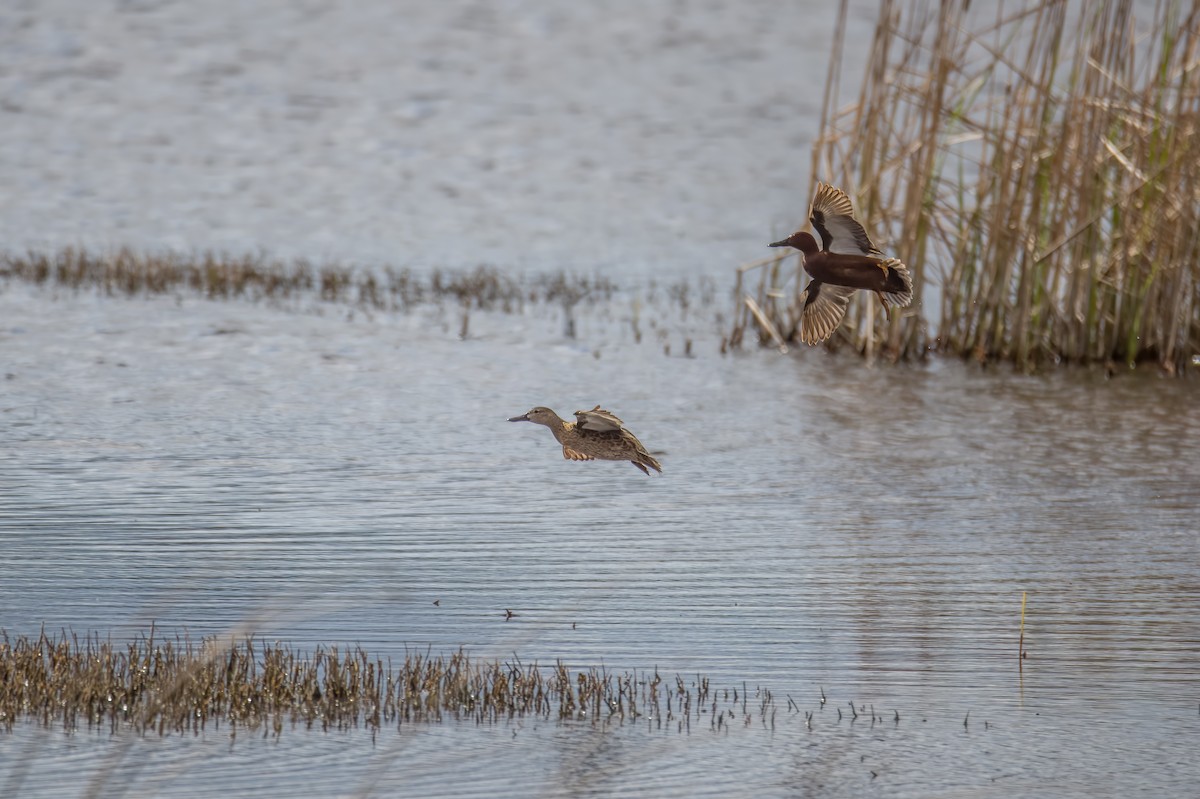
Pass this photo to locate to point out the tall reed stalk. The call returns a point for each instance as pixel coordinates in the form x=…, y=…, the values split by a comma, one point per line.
x=1037, y=166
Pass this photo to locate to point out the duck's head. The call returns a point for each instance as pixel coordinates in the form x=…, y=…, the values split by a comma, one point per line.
x=539, y=415
x=802, y=240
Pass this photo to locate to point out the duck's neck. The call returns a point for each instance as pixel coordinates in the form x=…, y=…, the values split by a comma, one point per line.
x=558, y=428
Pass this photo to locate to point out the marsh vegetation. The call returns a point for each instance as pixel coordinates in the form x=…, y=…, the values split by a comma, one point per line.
x=259, y=277
x=179, y=686
x=1038, y=169
x=664, y=313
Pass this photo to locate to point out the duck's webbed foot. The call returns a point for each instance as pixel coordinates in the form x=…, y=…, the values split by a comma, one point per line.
x=887, y=309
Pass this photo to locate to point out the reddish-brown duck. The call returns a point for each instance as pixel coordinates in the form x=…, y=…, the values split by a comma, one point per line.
x=845, y=262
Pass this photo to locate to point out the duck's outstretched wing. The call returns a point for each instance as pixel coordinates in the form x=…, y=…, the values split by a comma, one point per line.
x=598, y=420
x=823, y=305
x=832, y=216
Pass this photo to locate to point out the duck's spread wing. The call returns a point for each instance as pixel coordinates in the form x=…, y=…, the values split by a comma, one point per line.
x=832, y=217
x=824, y=305
x=598, y=420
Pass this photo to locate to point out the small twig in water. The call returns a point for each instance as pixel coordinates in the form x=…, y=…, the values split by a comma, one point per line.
x=1021, y=638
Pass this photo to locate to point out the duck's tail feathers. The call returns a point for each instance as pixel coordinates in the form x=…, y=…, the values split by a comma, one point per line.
x=899, y=291
x=645, y=459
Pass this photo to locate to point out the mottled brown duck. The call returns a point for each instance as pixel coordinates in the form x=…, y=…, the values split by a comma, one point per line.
x=594, y=435
x=845, y=262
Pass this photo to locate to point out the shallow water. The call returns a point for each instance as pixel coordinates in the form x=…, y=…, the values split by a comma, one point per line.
x=663, y=137
x=820, y=525
x=315, y=475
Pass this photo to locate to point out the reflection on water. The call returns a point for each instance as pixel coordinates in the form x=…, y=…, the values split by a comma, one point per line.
x=819, y=526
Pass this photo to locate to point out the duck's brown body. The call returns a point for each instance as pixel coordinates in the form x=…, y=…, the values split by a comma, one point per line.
x=595, y=435
x=845, y=262
x=852, y=271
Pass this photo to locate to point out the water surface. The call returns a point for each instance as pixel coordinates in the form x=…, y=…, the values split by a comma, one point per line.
x=211, y=467
x=316, y=475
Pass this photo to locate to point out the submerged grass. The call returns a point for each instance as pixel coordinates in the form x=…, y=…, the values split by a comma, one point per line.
x=675, y=310
x=176, y=686
x=258, y=277
x=1037, y=166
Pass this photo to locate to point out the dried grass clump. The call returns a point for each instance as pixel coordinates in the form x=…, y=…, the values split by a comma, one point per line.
x=1038, y=169
x=176, y=686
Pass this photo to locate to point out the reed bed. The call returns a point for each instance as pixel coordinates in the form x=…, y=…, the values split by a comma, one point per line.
x=1036, y=165
x=175, y=686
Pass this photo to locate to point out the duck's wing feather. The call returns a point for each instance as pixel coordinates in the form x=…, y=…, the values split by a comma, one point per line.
x=598, y=420
x=575, y=455
x=823, y=306
x=832, y=216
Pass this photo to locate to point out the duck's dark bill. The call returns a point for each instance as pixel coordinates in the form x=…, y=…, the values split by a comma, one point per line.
x=783, y=243
x=522, y=418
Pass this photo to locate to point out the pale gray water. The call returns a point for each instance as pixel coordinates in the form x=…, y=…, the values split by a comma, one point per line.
x=819, y=524
x=670, y=137
x=321, y=479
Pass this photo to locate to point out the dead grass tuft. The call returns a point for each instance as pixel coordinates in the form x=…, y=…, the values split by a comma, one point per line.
x=176, y=686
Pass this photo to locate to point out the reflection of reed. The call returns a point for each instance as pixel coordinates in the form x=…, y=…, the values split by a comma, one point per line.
x=1041, y=169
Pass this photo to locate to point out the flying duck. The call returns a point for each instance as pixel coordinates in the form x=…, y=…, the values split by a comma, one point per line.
x=845, y=262
x=595, y=434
